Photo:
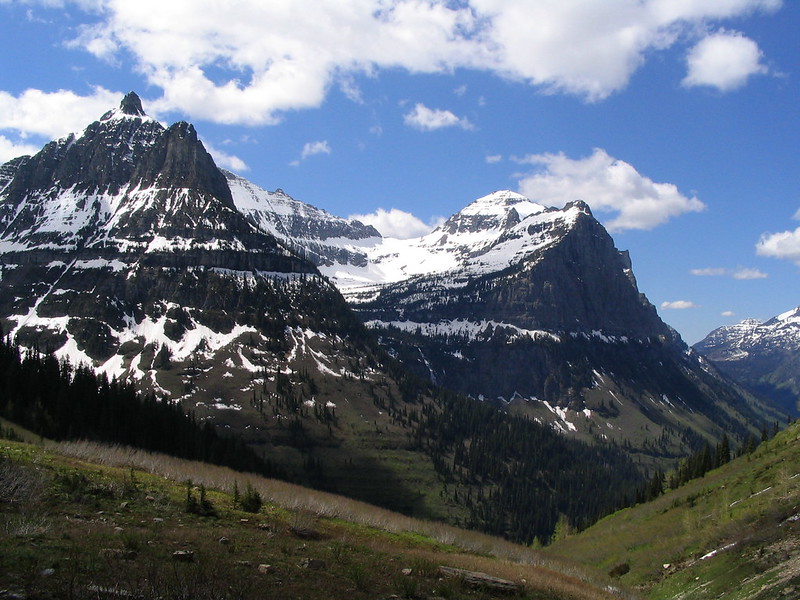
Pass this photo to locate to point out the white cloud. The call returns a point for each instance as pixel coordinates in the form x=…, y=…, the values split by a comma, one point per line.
x=784, y=245
x=252, y=64
x=225, y=160
x=430, y=119
x=724, y=60
x=728, y=313
x=492, y=159
x=10, y=149
x=313, y=148
x=678, y=305
x=53, y=114
x=607, y=185
x=396, y=223
x=592, y=48
x=737, y=273
x=748, y=273
x=709, y=272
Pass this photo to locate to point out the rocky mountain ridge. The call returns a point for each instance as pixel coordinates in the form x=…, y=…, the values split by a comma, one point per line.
x=764, y=356
x=124, y=249
x=535, y=308
x=127, y=248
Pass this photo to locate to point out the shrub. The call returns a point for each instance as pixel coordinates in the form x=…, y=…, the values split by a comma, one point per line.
x=619, y=570
x=19, y=483
x=201, y=506
x=251, y=499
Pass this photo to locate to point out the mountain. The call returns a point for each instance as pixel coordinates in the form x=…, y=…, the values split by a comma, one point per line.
x=310, y=231
x=535, y=309
x=764, y=357
x=530, y=307
x=102, y=232
x=124, y=248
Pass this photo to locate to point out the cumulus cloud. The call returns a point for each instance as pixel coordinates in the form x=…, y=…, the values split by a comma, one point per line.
x=10, y=149
x=225, y=160
x=396, y=223
x=252, y=64
x=53, y=114
x=607, y=185
x=678, y=305
x=724, y=60
x=784, y=245
x=430, y=119
x=492, y=159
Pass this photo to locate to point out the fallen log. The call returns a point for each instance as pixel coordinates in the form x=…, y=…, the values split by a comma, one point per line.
x=481, y=580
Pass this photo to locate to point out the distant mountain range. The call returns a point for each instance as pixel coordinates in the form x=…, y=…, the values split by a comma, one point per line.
x=762, y=356
x=338, y=352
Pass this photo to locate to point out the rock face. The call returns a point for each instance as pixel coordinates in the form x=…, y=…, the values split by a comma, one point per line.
x=123, y=248
x=764, y=356
x=316, y=234
x=126, y=248
x=535, y=308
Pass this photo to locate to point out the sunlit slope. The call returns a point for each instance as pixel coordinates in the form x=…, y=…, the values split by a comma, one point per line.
x=731, y=534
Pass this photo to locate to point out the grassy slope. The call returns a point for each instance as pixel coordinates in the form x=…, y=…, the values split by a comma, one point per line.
x=747, y=511
x=94, y=521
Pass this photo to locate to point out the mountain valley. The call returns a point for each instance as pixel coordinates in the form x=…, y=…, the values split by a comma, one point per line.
x=503, y=360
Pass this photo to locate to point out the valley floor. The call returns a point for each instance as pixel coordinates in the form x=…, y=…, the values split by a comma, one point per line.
x=87, y=521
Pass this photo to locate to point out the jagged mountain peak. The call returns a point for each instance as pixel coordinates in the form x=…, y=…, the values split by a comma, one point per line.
x=132, y=105
x=580, y=206
x=129, y=107
x=179, y=160
x=128, y=182
x=752, y=337
x=499, y=202
x=488, y=235
x=498, y=210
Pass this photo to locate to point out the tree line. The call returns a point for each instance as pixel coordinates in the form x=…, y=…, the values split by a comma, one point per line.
x=60, y=401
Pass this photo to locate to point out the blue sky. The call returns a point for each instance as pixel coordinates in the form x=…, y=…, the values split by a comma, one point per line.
x=677, y=121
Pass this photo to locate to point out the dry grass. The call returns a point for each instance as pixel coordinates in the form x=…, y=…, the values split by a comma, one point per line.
x=465, y=549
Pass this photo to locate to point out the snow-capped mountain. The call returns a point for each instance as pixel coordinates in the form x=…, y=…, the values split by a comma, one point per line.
x=534, y=306
x=323, y=238
x=122, y=247
x=127, y=185
x=764, y=356
x=486, y=236
x=126, y=248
